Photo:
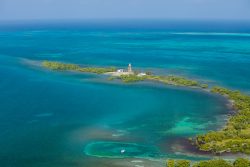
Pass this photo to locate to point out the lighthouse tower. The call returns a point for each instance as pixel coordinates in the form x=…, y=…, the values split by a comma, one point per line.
x=130, y=68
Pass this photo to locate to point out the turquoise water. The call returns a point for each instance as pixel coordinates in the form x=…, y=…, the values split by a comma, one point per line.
x=73, y=119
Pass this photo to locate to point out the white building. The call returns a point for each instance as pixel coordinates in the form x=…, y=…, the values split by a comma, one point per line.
x=120, y=70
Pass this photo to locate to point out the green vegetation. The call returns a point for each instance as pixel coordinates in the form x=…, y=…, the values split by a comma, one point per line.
x=235, y=136
x=204, y=86
x=59, y=66
x=182, y=163
x=170, y=80
x=178, y=163
x=73, y=67
x=213, y=163
x=170, y=163
x=131, y=78
x=240, y=162
x=174, y=80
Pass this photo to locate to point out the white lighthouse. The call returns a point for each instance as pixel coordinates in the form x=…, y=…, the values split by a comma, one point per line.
x=130, y=68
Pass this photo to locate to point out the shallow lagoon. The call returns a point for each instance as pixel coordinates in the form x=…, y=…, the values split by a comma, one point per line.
x=50, y=118
x=54, y=115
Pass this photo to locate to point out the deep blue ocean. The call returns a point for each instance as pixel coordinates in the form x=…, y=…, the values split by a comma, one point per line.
x=66, y=119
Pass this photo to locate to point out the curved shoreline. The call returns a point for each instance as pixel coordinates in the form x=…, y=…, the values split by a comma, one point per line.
x=232, y=138
x=235, y=136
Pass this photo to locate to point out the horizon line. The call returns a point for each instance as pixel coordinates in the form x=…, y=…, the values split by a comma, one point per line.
x=121, y=20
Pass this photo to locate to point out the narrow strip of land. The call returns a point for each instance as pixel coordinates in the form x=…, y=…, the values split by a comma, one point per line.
x=127, y=77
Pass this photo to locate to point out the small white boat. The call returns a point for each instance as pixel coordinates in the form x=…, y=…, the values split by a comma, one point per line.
x=123, y=151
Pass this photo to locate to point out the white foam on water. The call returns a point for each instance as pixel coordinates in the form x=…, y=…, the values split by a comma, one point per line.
x=212, y=34
x=117, y=135
x=139, y=165
x=120, y=133
x=137, y=161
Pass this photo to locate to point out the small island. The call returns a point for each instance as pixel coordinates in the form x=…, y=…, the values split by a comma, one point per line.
x=233, y=138
x=128, y=76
